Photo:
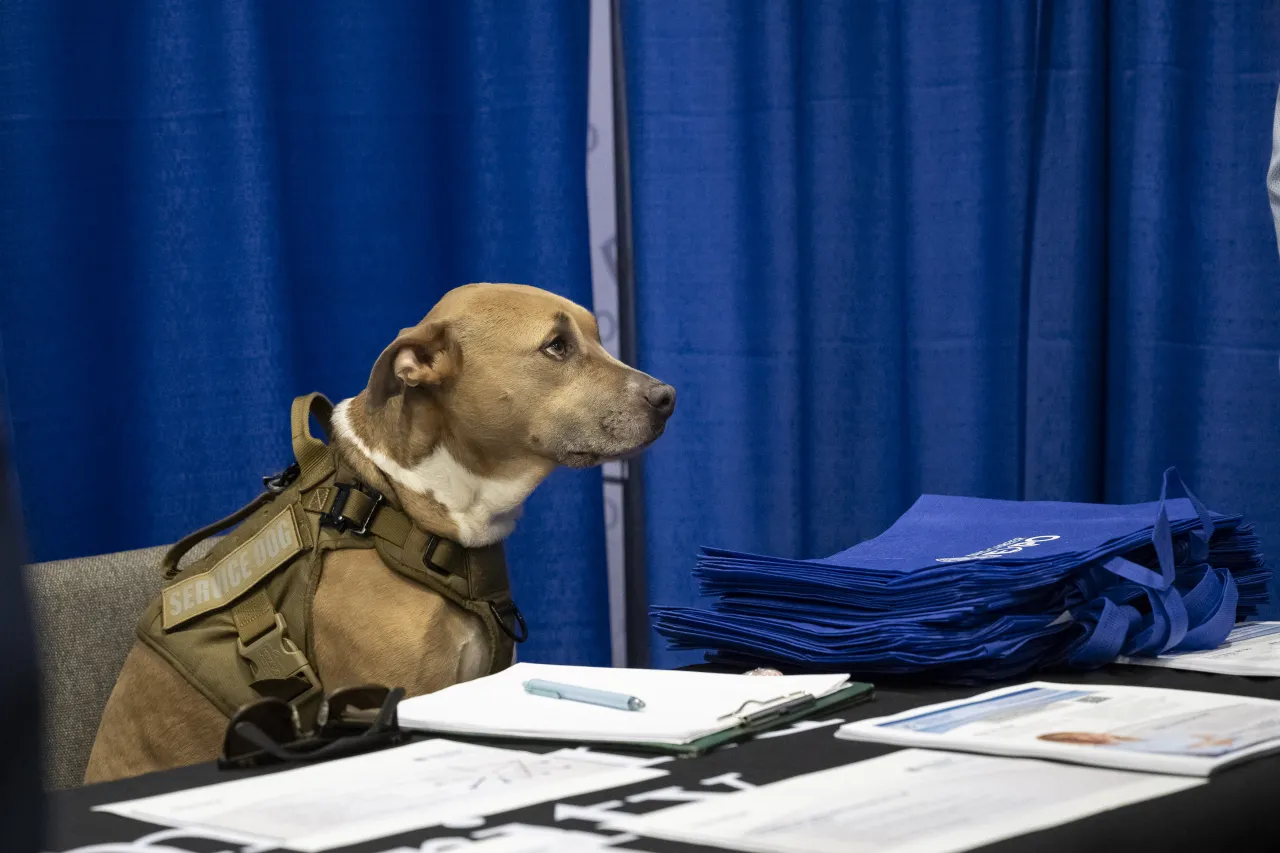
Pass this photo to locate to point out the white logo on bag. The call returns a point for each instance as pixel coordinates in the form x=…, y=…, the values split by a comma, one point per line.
x=1013, y=546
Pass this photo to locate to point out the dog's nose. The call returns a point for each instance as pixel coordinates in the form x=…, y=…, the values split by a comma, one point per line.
x=662, y=398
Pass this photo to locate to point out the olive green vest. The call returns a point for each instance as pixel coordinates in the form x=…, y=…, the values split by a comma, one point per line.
x=237, y=622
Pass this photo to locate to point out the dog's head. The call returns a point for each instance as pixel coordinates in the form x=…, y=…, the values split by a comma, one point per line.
x=518, y=371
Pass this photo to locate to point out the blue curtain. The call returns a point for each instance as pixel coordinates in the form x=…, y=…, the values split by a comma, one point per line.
x=1006, y=249
x=209, y=208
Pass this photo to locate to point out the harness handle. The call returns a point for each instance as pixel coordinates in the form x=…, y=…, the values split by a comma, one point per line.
x=179, y=549
x=313, y=460
x=312, y=454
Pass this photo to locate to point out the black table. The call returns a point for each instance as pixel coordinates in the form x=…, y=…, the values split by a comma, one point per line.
x=1239, y=810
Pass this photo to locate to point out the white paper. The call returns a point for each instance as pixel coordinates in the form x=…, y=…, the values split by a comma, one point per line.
x=613, y=759
x=910, y=801
x=1252, y=648
x=542, y=839
x=680, y=707
x=372, y=796
x=1131, y=728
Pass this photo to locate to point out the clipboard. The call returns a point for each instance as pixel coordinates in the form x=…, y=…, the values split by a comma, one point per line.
x=745, y=724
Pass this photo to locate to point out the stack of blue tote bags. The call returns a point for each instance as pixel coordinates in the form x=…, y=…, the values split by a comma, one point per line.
x=969, y=589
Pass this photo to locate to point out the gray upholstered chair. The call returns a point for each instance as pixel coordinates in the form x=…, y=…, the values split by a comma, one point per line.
x=85, y=611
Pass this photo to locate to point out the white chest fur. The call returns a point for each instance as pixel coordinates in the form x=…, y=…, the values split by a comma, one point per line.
x=484, y=509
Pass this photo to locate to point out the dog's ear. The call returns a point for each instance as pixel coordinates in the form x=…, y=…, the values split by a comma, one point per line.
x=426, y=354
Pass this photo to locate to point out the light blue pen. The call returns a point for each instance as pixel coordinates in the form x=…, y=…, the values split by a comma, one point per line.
x=591, y=696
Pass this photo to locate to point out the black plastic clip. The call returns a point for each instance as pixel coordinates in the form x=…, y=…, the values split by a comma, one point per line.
x=277, y=483
x=510, y=631
x=337, y=517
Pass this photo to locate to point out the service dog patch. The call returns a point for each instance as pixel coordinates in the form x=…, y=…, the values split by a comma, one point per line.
x=273, y=546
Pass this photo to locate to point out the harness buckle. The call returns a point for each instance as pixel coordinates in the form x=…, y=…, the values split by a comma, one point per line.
x=279, y=667
x=364, y=503
x=429, y=553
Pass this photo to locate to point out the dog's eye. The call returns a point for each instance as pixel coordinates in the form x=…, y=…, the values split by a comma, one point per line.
x=557, y=348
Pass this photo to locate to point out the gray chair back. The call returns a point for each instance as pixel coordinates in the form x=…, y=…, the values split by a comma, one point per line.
x=85, y=613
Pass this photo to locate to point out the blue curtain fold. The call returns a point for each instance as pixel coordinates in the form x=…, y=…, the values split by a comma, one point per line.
x=1003, y=249
x=209, y=208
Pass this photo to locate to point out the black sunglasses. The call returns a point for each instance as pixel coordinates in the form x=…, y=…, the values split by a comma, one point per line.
x=350, y=720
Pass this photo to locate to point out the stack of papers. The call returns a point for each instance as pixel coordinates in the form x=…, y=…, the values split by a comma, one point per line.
x=1150, y=729
x=968, y=589
x=911, y=801
x=352, y=800
x=680, y=708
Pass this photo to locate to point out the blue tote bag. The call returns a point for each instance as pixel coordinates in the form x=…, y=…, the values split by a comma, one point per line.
x=983, y=588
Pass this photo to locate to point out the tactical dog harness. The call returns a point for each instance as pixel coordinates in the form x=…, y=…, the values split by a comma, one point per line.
x=237, y=622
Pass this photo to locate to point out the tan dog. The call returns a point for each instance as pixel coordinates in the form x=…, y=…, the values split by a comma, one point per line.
x=465, y=414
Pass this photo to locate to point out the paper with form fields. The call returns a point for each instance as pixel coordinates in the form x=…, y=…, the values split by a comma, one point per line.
x=1130, y=728
x=911, y=801
x=372, y=796
x=680, y=707
x=1252, y=648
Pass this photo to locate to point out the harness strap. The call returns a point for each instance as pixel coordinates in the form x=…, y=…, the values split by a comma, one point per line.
x=353, y=510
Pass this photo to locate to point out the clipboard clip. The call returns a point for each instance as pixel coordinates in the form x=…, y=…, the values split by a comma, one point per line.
x=770, y=708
